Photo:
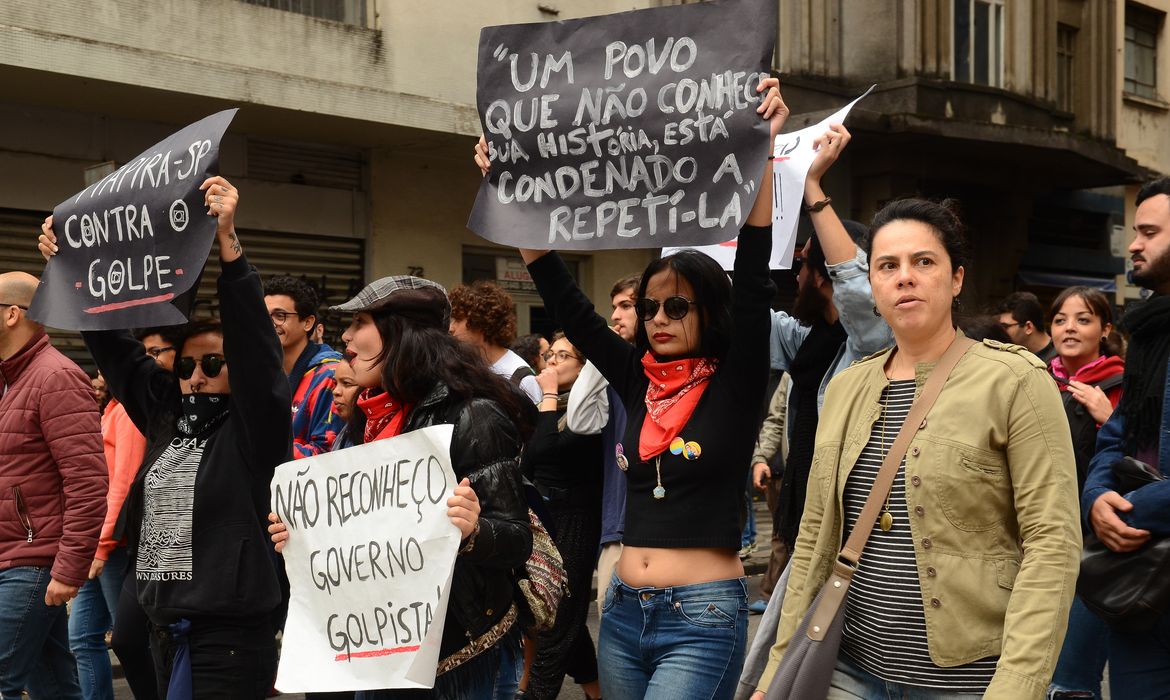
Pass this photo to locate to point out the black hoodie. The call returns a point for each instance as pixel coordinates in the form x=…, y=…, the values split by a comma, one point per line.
x=226, y=571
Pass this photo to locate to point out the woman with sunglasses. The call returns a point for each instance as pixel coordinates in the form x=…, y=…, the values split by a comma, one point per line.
x=205, y=576
x=675, y=614
x=566, y=469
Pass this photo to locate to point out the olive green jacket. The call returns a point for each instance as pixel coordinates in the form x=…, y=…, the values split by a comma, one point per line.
x=991, y=489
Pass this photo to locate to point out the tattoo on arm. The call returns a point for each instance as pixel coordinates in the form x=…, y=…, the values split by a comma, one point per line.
x=235, y=243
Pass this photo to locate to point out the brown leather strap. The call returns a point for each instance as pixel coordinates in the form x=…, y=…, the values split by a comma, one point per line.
x=837, y=587
x=851, y=552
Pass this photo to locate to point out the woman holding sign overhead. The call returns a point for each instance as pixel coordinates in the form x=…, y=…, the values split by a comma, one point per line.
x=216, y=427
x=675, y=614
x=414, y=374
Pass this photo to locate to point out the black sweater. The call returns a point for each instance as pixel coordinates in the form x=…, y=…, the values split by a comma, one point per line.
x=231, y=573
x=562, y=459
x=704, y=504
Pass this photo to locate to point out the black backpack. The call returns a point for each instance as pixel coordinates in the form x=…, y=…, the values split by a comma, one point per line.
x=1083, y=427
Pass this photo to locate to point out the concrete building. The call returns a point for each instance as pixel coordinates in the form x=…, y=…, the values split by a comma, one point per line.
x=353, y=144
x=1037, y=115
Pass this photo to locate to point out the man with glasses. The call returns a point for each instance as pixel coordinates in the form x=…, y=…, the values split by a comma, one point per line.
x=53, y=487
x=1022, y=317
x=292, y=306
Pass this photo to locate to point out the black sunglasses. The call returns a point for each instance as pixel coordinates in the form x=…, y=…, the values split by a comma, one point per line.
x=211, y=364
x=676, y=308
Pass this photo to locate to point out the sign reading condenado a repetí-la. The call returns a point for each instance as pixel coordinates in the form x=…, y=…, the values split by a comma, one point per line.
x=633, y=130
x=131, y=246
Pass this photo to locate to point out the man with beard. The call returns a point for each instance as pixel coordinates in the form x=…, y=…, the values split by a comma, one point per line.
x=1139, y=661
x=833, y=324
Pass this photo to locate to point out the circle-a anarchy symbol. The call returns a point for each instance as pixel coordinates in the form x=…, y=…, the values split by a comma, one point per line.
x=179, y=215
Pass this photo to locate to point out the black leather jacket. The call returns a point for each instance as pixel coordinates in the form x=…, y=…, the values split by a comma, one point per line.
x=485, y=448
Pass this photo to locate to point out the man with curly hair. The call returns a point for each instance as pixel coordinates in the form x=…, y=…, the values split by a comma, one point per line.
x=483, y=314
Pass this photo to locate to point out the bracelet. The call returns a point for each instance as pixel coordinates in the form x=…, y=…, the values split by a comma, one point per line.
x=470, y=544
x=549, y=395
x=818, y=206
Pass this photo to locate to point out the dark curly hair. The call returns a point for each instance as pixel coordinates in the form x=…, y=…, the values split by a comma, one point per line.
x=712, y=292
x=304, y=297
x=487, y=309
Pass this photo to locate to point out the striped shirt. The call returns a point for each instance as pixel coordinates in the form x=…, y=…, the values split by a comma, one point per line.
x=885, y=626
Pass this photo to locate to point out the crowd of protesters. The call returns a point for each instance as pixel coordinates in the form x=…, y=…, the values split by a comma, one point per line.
x=142, y=495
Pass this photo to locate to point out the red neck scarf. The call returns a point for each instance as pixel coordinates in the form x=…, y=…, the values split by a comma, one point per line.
x=385, y=416
x=675, y=389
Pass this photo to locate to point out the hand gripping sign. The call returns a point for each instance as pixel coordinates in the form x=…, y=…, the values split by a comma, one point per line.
x=631, y=130
x=793, y=156
x=131, y=247
x=369, y=558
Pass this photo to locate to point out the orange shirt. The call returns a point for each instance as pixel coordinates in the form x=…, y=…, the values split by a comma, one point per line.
x=125, y=450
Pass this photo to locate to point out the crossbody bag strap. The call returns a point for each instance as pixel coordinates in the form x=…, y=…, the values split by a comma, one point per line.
x=833, y=594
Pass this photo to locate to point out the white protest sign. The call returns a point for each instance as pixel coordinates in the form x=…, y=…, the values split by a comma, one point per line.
x=793, y=156
x=369, y=558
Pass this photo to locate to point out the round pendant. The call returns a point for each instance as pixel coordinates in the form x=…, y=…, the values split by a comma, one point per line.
x=623, y=463
x=659, y=492
x=886, y=522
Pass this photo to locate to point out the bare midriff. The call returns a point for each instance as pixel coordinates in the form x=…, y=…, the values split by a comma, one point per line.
x=658, y=567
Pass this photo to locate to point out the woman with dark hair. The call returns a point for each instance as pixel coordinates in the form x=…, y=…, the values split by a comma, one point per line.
x=566, y=469
x=215, y=428
x=415, y=374
x=675, y=614
x=1090, y=374
x=963, y=586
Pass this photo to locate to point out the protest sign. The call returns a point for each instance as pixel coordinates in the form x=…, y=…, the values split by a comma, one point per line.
x=632, y=130
x=369, y=558
x=131, y=246
x=793, y=156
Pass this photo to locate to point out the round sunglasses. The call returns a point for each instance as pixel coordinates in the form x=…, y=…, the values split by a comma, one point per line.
x=211, y=364
x=676, y=308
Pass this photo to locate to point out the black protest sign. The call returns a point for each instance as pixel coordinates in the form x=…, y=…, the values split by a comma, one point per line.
x=131, y=247
x=633, y=130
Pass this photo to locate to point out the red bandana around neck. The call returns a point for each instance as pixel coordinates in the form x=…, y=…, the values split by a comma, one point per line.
x=385, y=416
x=675, y=389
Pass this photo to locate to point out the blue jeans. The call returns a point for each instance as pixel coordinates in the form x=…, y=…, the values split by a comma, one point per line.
x=1082, y=658
x=656, y=643
x=1139, y=663
x=34, y=641
x=749, y=528
x=90, y=617
x=851, y=682
x=493, y=675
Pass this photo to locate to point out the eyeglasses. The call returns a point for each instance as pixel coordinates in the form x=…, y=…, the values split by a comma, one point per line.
x=211, y=364
x=19, y=306
x=1008, y=326
x=676, y=308
x=279, y=316
x=155, y=352
x=560, y=355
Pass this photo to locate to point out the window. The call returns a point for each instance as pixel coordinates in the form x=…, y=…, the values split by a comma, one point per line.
x=1066, y=58
x=1141, y=51
x=978, y=42
x=346, y=11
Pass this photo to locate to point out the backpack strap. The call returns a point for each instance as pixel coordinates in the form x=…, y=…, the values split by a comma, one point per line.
x=519, y=375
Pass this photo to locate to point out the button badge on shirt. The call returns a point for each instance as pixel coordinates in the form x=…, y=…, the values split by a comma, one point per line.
x=622, y=462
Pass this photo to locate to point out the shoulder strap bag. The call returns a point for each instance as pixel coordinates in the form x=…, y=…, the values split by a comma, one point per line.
x=807, y=666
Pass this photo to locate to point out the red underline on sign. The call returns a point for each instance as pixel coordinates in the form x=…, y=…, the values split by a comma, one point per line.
x=118, y=305
x=375, y=653
x=730, y=244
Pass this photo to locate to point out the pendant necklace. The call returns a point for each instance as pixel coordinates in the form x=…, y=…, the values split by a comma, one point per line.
x=886, y=521
x=659, y=491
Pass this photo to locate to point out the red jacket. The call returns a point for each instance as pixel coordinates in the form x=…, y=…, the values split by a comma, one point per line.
x=53, y=477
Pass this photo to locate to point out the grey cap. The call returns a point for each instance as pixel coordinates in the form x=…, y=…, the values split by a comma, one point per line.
x=377, y=293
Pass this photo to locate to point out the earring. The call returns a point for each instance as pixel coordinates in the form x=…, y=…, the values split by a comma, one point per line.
x=876, y=312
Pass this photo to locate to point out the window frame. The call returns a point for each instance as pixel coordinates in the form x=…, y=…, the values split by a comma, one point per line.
x=997, y=19
x=1150, y=21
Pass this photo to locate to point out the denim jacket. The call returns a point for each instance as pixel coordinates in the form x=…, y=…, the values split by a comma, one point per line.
x=1151, y=503
x=853, y=298
x=991, y=483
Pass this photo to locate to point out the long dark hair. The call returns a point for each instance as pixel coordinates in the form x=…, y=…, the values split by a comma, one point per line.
x=712, y=292
x=418, y=352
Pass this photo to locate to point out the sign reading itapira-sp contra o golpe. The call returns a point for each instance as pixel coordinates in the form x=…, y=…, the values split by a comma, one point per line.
x=632, y=130
x=131, y=246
